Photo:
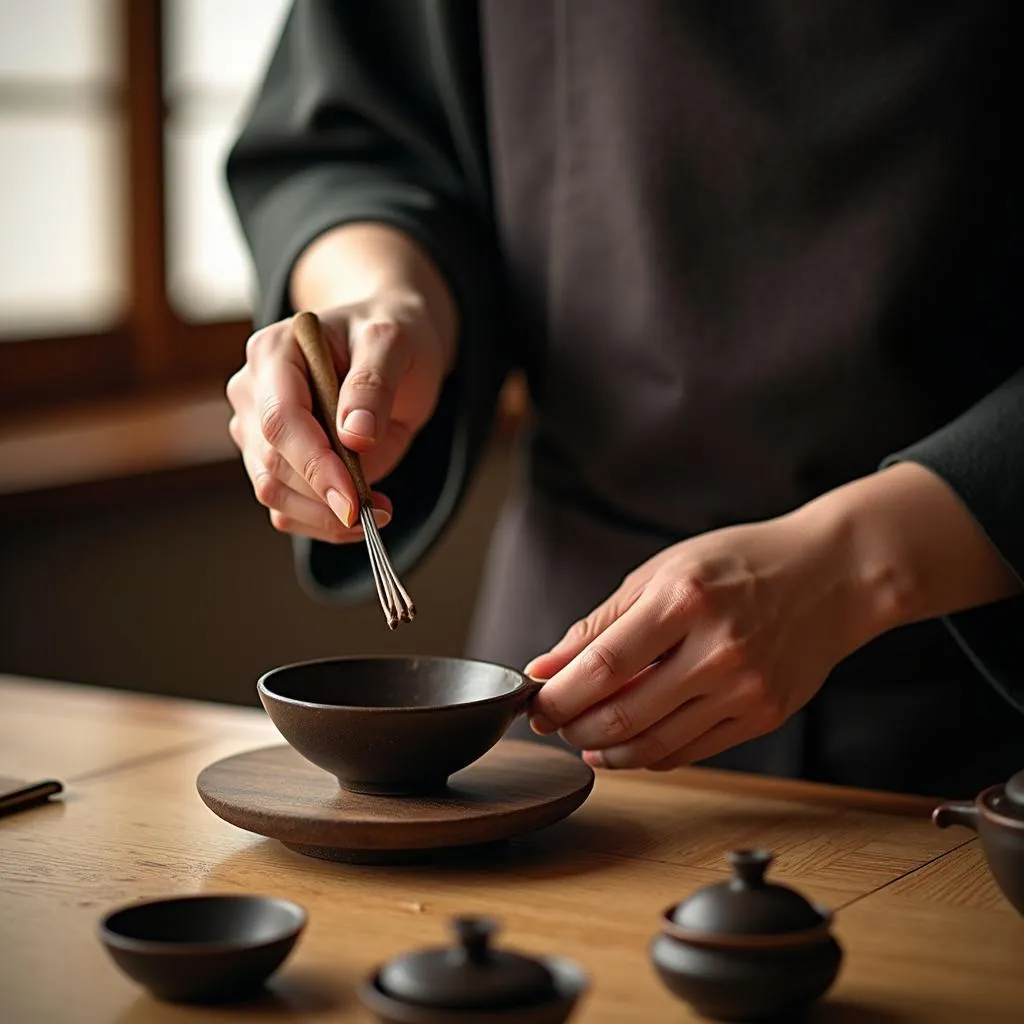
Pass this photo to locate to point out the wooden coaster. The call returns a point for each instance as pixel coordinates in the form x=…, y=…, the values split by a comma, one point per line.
x=515, y=788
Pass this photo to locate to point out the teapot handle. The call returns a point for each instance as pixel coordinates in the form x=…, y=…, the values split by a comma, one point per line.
x=958, y=812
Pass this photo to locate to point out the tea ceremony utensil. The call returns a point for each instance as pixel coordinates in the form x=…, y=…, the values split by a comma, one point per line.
x=516, y=788
x=394, y=599
x=19, y=795
x=202, y=949
x=394, y=725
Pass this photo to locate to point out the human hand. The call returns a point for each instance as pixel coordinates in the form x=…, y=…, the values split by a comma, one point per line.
x=391, y=362
x=712, y=642
x=721, y=638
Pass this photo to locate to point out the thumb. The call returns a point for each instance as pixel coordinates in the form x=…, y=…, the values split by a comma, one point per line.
x=581, y=633
x=380, y=357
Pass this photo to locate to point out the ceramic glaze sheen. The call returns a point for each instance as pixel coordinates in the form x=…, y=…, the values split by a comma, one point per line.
x=746, y=985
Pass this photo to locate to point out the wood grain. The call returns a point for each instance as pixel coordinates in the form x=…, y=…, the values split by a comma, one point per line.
x=513, y=789
x=75, y=732
x=590, y=887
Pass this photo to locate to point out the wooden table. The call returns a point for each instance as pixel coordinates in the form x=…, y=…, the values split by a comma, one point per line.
x=928, y=938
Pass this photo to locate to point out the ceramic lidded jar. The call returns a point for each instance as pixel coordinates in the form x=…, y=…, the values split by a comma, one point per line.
x=746, y=949
x=473, y=982
x=997, y=815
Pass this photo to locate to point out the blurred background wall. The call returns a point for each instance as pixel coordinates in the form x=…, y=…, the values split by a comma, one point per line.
x=131, y=550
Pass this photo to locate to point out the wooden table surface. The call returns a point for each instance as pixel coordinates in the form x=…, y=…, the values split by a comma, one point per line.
x=928, y=937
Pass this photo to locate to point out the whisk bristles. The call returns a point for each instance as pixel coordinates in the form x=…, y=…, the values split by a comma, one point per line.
x=394, y=599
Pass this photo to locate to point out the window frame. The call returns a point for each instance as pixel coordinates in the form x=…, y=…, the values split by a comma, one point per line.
x=151, y=351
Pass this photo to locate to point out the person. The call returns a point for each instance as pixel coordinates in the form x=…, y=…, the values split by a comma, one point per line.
x=759, y=265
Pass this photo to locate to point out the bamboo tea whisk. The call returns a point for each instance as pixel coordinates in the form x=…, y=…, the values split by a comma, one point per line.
x=394, y=599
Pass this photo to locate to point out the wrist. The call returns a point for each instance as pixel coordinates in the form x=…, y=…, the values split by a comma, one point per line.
x=878, y=586
x=913, y=550
x=380, y=269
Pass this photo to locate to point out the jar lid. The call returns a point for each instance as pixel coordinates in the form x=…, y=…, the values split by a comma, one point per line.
x=1014, y=791
x=746, y=904
x=1009, y=801
x=470, y=975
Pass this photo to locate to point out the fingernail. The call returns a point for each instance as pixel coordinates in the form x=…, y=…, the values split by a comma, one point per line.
x=381, y=516
x=341, y=507
x=542, y=725
x=361, y=422
x=594, y=758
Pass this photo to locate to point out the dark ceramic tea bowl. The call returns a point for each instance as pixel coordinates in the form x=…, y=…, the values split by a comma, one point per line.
x=394, y=726
x=997, y=815
x=202, y=949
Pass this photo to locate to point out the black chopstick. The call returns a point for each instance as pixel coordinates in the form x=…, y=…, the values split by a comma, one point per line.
x=28, y=796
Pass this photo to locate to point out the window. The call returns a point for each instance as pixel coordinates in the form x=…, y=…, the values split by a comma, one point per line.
x=122, y=268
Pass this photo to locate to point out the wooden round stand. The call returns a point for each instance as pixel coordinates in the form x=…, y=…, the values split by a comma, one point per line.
x=515, y=788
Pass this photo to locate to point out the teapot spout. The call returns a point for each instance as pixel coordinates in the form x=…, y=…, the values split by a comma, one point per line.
x=959, y=812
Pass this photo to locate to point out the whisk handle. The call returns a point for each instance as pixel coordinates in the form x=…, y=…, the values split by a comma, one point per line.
x=320, y=362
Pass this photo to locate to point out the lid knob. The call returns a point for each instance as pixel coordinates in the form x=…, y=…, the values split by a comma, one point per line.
x=475, y=935
x=750, y=866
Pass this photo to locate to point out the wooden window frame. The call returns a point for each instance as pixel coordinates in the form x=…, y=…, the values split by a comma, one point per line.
x=152, y=351
x=95, y=418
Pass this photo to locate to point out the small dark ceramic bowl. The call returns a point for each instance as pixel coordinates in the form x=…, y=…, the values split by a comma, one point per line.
x=202, y=949
x=394, y=726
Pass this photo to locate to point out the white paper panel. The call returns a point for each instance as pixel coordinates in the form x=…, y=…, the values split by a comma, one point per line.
x=61, y=226
x=208, y=266
x=59, y=40
x=220, y=45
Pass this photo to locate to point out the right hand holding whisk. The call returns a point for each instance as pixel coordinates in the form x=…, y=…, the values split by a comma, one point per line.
x=391, y=363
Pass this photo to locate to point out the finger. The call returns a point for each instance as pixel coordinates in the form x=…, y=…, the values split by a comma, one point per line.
x=274, y=493
x=581, y=633
x=333, y=532
x=387, y=452
x=697, y=666
x=380, y=357
x=283, y=404
x=649, y=697
x=236, y=432
x=337, y=534
x=728, y=733
x=685, y=725
x=311, y=512
x=643, y=633
x=261, y=459
x=739, y=699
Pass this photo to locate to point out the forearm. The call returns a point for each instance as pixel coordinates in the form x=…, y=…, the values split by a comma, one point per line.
x=913, y=549
x=354, y=263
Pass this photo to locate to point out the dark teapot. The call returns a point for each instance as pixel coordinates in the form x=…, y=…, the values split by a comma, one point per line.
x=746, y=949
x=997, y=815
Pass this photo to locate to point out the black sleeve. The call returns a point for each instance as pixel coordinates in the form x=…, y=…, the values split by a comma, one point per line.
x=981, y=456
x=371, y=110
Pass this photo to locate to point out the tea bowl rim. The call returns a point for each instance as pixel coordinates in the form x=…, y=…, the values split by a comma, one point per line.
x=263, y=684
x=161, y=947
